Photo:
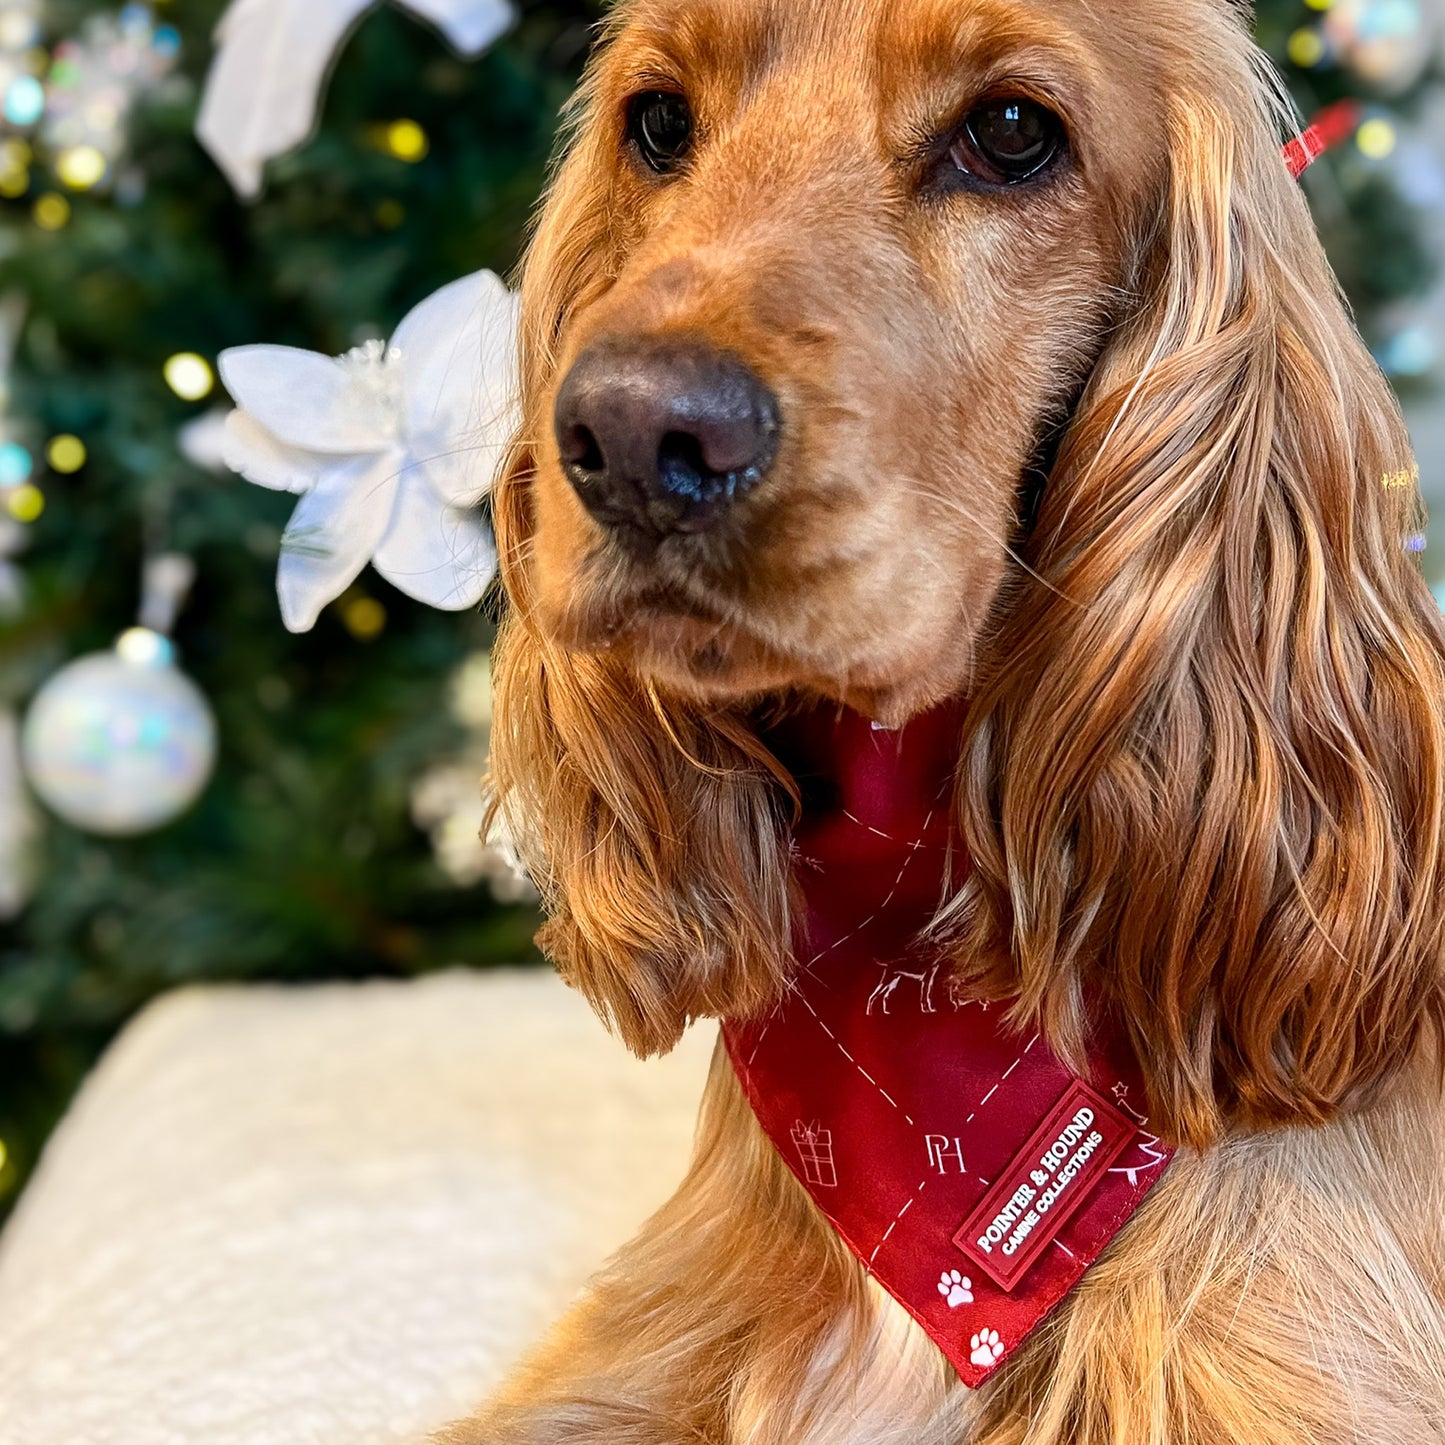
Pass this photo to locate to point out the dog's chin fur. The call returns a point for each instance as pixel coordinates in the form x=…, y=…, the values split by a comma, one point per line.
x=717, y=665
x=1203, y=769
x=696, y=653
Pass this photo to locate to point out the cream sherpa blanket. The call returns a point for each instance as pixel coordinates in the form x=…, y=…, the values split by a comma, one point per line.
x=330, y=1216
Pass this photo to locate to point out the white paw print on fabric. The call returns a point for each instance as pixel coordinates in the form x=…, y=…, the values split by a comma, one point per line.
x=987, y=1348
x=956, y=1288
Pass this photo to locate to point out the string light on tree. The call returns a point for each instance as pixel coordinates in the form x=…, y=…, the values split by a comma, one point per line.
x=404, y=139
x=22, y=62
x=15, y=158
x=190, y=376
x=24, y=102
x=25, y=503
x=1307, y=47
x=81, y=167
x=66, y=454
x=94, y=83
x=52, y=212
x=364, y=617
x=1377, y=138
x=16, y=465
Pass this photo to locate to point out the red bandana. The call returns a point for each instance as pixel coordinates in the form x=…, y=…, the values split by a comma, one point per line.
x=974, y=1176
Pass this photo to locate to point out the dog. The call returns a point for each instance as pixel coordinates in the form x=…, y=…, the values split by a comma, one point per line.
x=887, y=353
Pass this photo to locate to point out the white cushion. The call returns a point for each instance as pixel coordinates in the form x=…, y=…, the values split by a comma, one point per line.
x=329, y=1216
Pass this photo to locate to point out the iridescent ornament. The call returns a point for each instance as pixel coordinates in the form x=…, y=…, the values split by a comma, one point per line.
x=95, y=82
x=19, y=24
x=1389, y=44
x=120, y=743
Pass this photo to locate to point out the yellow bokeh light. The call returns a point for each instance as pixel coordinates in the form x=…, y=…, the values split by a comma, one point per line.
x=25, y=503
x=66, y=454
x=52, y=211
x=365, y=618
x=4, y=1156
x=1377, y=139
x=190, y=376
x=1320, y=4
x=407, y=141
x=1306, y=48
x=15, y=152
x=14, y=182
x=80, y=167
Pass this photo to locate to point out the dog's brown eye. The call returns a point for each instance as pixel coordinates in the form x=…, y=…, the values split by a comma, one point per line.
x=660, y=125
x=1006, y=141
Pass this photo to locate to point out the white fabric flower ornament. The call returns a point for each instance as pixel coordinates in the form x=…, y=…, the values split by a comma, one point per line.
x=272, y=60
x=391, y=448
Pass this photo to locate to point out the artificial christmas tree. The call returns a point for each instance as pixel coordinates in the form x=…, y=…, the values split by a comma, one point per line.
x=302, y=857
x=1372, y=198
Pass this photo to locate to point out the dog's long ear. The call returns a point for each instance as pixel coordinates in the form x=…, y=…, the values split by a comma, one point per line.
x=653, y=827
x=1205, y=781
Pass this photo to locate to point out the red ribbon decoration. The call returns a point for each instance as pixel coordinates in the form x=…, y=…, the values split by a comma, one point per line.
x=1333, y=126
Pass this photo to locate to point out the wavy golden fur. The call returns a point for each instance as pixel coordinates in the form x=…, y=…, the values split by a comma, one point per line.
x=1203, y=768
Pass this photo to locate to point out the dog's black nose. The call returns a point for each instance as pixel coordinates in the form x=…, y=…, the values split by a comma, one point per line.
x=663, y=437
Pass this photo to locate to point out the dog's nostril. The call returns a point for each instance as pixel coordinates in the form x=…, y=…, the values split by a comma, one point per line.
x=681, y=467
x=581, y=449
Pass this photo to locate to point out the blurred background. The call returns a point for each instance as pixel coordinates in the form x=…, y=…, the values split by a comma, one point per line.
x=319, y=810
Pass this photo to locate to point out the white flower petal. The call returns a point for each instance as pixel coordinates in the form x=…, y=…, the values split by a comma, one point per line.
x=203, y=441
x=438, y=554
x=470, y=25
x=306, y=400
x=457, y=351
x=332, y=535
x=261, y=95
x=248, y=448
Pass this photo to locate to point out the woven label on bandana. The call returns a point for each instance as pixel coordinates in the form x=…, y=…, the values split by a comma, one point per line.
x=974, y=1176
x=1048, y=1182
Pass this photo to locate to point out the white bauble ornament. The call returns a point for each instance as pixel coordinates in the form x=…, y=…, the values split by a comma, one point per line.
x=120, y=742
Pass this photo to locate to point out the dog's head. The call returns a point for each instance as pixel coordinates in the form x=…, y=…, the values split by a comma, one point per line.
x=890, y=350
